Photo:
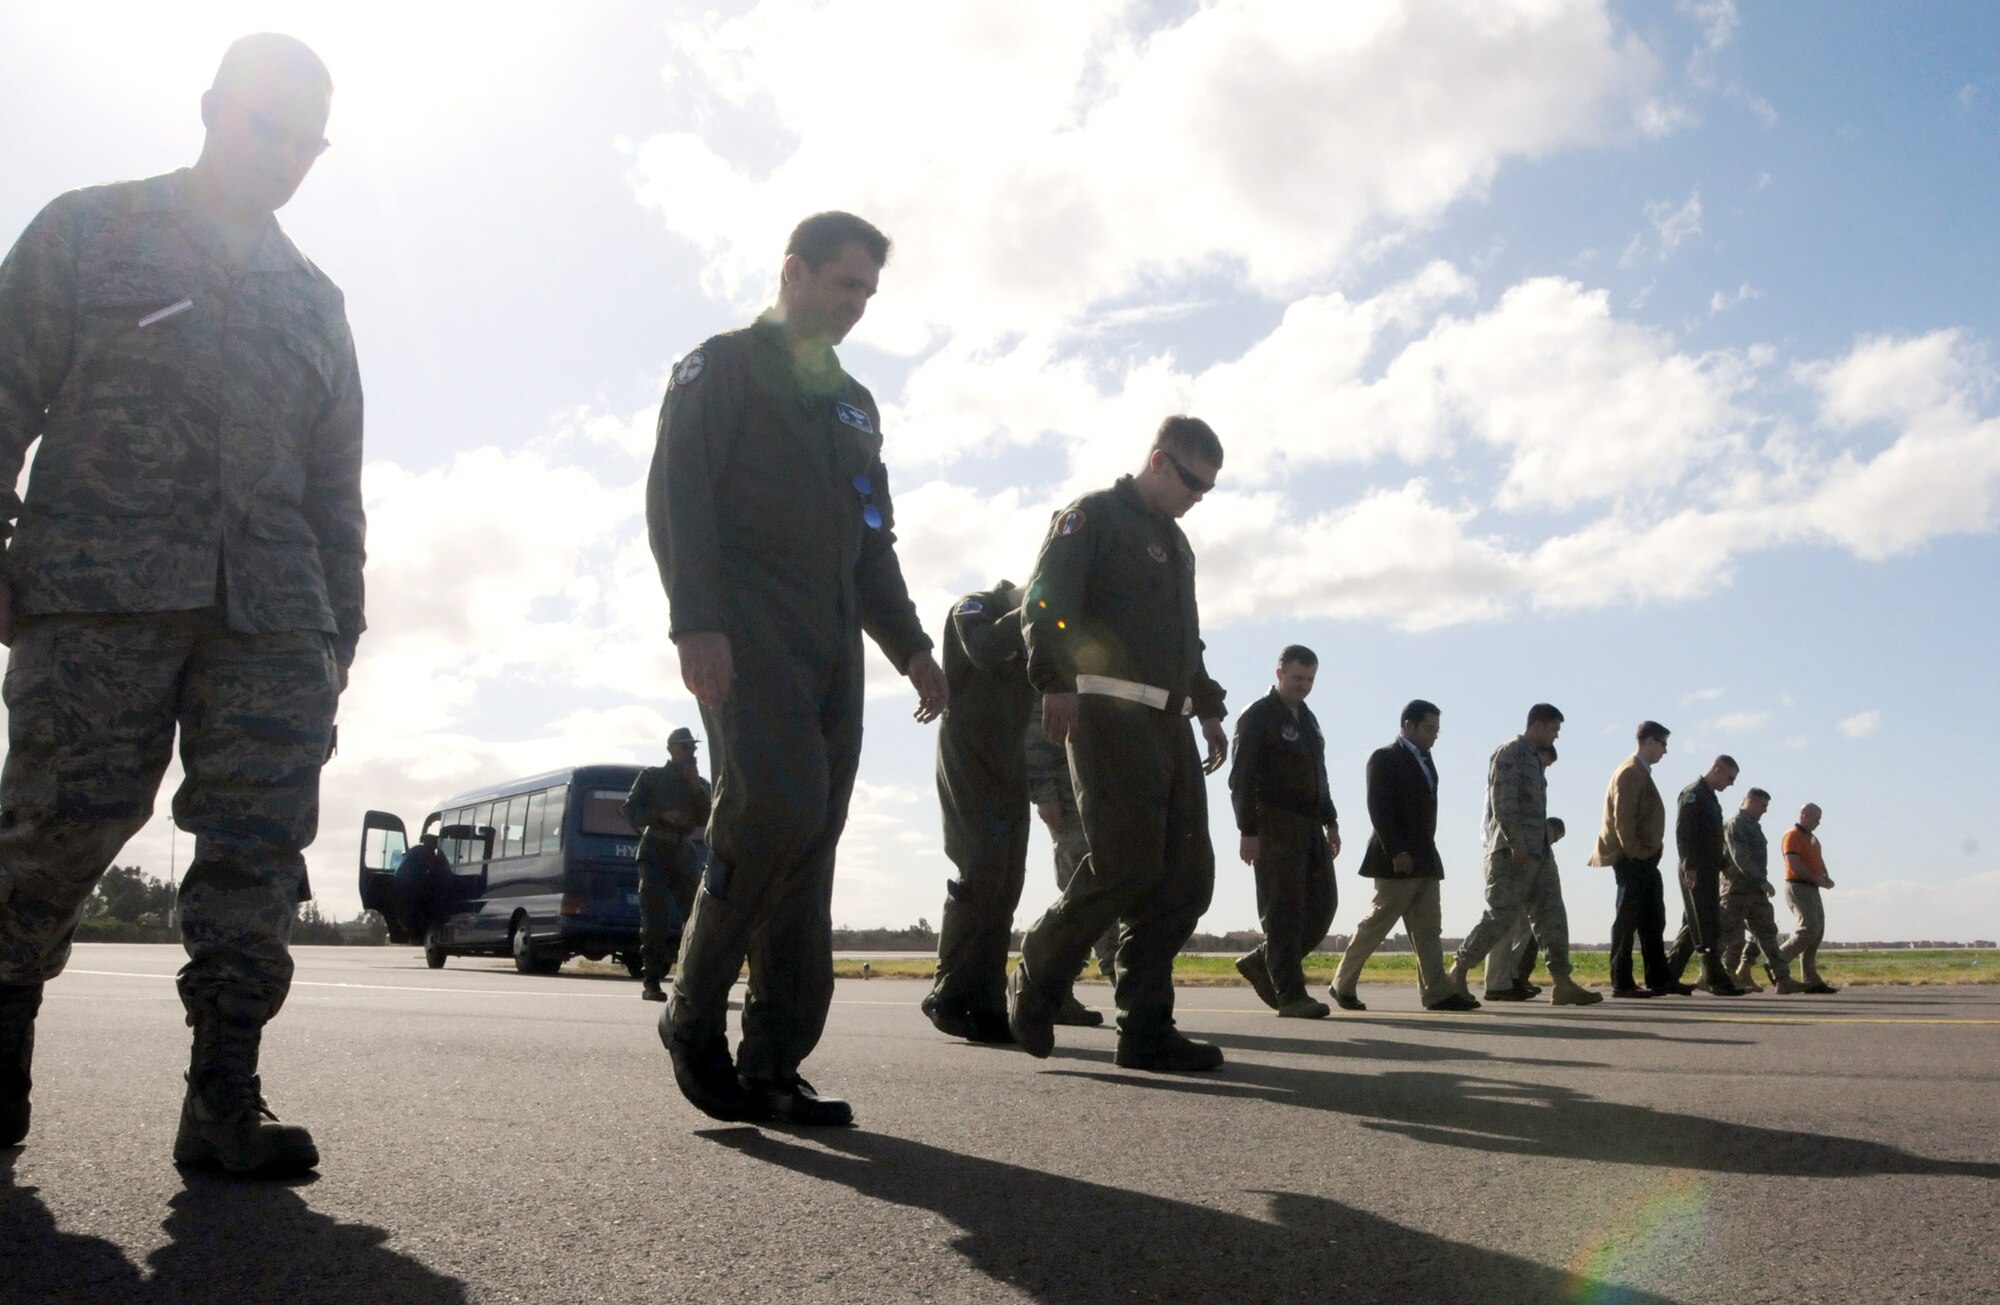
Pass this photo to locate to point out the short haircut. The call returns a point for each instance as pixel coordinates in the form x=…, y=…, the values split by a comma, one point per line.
x=1727, y=762
x=1556, y=826
x=1191, y=436
x=819, y=239
x=1298, y=653
x=1756, y=793
x=249, y=56
x=1418, y=711
x=1652, y=729
x=1542, y=711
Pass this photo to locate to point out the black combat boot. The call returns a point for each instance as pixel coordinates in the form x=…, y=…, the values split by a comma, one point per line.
x=1162, y=1048
x=18, y=1004
x=225, y=1124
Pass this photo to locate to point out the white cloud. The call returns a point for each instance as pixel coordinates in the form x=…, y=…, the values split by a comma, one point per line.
x=1741, y=722
x=1861, y=724
x=1700, y=695
x=1267, y=141
x=1967, y=96
x=1673, y=226
x=1723, y=300
x=1717, y=19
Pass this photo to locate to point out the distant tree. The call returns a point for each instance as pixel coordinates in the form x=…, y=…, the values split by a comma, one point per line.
x=128, y=894
x=313, y=927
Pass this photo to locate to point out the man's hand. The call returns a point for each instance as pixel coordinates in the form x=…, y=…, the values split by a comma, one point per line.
x=1050, y=810
x=1826, y=881
x=1402, y=864
x=1247, y=849
x=1218, y=744
x=1332, y=843
x=706, y=666
x=1058, y=716
x=1770, y=889
x=933, y=694
x=1687, y=880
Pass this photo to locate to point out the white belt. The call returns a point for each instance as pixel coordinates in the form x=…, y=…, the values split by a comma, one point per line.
x=1107, y=686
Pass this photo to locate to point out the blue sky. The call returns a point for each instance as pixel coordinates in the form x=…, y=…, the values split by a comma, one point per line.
x=1634, y=357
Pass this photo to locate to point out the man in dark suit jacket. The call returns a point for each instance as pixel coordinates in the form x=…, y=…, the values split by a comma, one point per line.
x=1403, y=861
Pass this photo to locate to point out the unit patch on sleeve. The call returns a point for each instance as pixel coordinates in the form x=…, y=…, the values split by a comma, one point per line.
x=855, y=417
x=1070, y=522
x=689, y=369
x=971, y=607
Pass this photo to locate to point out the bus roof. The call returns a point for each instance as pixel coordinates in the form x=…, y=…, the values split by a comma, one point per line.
x=616, y=773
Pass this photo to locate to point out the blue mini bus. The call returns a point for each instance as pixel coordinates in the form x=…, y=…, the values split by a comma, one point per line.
x=541, y=869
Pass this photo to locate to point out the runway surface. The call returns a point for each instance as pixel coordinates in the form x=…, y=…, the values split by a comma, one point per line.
x=493, y=1137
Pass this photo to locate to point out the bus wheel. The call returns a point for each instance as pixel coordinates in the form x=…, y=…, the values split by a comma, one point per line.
x=433, y=950
x=635, y=963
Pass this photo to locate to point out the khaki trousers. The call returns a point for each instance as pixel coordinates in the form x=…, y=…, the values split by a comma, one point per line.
x=1413, y=902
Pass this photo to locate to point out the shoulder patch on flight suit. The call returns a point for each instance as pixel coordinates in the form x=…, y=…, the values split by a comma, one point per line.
x=971, y=607
x=1157, y=551
x=1070, y=522
x=689, y=369
x=855, y=417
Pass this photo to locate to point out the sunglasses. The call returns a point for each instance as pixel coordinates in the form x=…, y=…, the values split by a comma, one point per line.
x=869, y=512
x=1195, y=484
x=272, y=134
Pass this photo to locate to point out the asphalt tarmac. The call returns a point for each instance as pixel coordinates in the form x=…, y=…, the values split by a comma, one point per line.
x=493, y=1137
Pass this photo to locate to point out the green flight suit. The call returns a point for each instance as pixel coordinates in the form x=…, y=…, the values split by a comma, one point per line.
x=982, y=784
x=770, y=517
x=664, y=805
x=1114, y=596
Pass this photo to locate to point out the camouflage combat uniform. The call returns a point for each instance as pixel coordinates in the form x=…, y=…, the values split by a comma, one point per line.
x=189, y=556
x=1518, y=799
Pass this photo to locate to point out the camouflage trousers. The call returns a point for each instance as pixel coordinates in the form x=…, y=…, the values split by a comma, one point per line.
x=93, y=703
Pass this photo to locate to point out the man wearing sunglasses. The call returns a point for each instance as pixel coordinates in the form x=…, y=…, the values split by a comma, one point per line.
x=189, y=556
x=770, y=517
x=1114, y=644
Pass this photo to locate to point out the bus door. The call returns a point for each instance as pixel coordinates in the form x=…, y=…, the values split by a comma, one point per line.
x=384, y=842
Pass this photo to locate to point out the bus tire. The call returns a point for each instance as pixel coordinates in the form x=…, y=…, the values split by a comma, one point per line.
x=433, y=950
x=635, y=963
x=525, y=960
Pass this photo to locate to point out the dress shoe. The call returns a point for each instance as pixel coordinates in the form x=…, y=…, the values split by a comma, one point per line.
x=1634, y=994
x=1532, y=989
x=1170, y=1052
x=1519, y=992
x=1786, y=985
x=1456, y=1001
x=652, y=992
x=1346, y=1000
x=1258, y=976
x=1673, y=990
x=1721, y=988
x=791, y=1100
x=1304, y=1008
x=1031, y=1015
x=707, y=1077
x=1821, y=988
x=1072, y=1014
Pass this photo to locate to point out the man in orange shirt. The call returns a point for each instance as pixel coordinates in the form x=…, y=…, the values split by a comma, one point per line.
x=1805, y=875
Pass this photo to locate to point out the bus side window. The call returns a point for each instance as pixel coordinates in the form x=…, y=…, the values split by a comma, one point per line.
x=512, y=825
x=552, y=822
x=482, y=825
x=532, y=824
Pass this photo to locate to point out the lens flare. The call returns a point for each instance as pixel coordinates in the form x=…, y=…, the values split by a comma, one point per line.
x=1667, y=1217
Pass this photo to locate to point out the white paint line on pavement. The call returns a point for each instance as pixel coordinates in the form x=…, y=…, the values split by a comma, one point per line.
x=1442, y=1016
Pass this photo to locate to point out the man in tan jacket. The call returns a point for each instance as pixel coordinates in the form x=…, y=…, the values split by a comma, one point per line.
x=1634, y=833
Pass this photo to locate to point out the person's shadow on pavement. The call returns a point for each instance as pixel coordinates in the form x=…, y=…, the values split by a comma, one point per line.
x=244, y=1240
x=39, y=1262
x=1065, y=1240
x=1542, y=1119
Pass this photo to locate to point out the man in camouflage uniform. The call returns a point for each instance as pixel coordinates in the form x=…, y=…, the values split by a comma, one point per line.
x=771, y=520
x=1521, y=876
x=1747, y=903
x=1054, y=796
x=189, y=556
x=1114, y=644
x=665, y=804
